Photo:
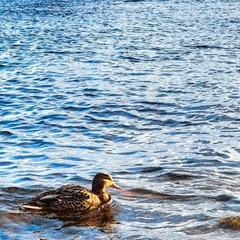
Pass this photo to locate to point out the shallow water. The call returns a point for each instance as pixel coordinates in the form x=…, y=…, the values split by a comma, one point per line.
x=145, y=90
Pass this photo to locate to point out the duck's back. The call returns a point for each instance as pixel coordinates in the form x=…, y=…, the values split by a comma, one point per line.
x=70, y=197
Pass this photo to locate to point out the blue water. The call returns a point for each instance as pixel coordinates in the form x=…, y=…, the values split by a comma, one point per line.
x=147, y=91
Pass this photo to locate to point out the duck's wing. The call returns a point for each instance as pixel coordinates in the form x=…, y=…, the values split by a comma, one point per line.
x=67, y=198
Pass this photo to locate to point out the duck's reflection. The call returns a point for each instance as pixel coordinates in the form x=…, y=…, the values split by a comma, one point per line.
x=103, y=217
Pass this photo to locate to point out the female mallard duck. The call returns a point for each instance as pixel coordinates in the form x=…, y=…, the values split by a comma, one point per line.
x=73, y=197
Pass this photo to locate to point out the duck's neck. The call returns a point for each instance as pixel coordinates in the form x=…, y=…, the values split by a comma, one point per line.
x=104, y=197
x=102, y=194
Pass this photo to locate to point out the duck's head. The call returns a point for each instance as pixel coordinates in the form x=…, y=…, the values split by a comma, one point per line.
x=101, y=181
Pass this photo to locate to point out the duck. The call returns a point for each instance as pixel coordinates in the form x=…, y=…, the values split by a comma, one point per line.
x=73, y=197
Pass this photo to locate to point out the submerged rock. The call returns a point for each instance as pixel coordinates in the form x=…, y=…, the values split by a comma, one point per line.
x=231, y=222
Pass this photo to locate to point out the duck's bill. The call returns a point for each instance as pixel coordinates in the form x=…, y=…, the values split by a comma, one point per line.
x=116, y=186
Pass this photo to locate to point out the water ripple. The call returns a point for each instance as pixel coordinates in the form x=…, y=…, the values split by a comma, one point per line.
x=145, y=90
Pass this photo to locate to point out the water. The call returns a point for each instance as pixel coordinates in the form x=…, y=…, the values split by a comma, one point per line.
x=145, y=90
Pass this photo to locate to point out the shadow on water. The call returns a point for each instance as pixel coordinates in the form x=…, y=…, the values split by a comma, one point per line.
x=102, y=218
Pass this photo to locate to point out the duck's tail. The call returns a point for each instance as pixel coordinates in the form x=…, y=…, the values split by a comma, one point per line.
x=25, y=206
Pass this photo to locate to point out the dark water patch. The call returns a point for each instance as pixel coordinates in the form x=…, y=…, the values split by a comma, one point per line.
x=135, y=1
x=115, y=138
x=28, y=90
x=222, y=118
x=177, y=176
x=232, y=174
x=202, y=108
x=228, y=129
x=63, y=52
x=145, y=193
x=157, y=112
x=81, y=146
x=31, y=157
x=6, y=133
x=191, y=161
x=75, y=108
x=139, y=73
x=112, y=114
x=24, y=126
x=54, y=117
x=223, y=198
x=158, y=104
x=26, y=192
x=55, y=126
x=35, y=143
x=16, y=190
x=173, y=123
x=71, y=158
x=7, y=102
x=45, y=8
x=56, y=175
x=204, y=46
x=61, y=165
x=17, y=124
x=212, y=153
x=140, y=169
x=101, y=117
x=151, y=169
x=201, y=229
x=128, y=152
x=5, y=163
x=23, y=180
x=78, y=179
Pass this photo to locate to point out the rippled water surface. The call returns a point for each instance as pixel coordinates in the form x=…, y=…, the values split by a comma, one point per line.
x=145, y=90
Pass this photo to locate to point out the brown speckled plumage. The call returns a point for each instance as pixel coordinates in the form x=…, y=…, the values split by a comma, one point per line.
x=73, y=197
